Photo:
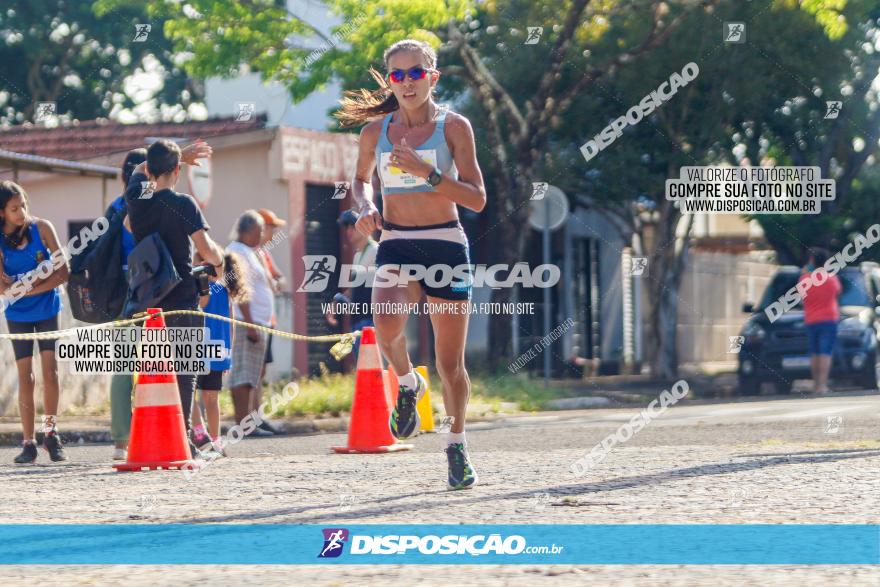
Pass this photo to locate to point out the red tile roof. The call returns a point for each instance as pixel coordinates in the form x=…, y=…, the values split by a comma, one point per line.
x=93, y=138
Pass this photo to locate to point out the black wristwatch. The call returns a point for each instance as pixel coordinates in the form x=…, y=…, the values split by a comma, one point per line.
x=435, y=176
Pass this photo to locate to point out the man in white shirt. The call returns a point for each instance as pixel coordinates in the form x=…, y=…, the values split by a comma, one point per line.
x=249, y=344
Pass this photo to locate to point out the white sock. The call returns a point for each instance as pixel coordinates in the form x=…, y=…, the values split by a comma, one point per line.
x=49, y=422
x=456, y=438
x=408, y=381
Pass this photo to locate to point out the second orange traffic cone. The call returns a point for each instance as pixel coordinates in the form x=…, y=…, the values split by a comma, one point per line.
x=368, y=431
x=158, y=434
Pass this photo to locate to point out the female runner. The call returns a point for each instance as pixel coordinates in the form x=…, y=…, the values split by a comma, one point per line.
x=427, y=165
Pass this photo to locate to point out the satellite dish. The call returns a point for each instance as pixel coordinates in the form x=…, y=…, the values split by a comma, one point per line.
x=543, y=198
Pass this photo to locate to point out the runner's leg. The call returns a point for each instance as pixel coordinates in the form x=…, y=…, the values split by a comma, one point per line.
x=390, y=326
x=26, y=395
x=450, y=337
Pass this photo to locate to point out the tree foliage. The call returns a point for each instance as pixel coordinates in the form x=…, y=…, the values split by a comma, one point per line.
x=81, y=58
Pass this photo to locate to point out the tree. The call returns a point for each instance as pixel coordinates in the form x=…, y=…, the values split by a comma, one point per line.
x=64, y=52
x=728, y=114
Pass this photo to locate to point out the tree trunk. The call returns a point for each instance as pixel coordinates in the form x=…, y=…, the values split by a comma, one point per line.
x=666, y=264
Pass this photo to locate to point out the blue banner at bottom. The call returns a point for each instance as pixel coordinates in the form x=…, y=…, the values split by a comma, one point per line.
x=258, y=544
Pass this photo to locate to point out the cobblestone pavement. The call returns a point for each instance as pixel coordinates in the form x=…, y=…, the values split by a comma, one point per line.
x=814, y=460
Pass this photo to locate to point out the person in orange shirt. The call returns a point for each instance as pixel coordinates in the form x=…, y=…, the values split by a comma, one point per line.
x=821, y=314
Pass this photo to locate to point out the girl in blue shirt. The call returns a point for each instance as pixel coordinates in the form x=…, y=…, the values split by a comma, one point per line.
x=229, y=287
x=33, y=270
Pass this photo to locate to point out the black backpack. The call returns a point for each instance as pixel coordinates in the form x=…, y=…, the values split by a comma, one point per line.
x=98, y=286
x=151, y=275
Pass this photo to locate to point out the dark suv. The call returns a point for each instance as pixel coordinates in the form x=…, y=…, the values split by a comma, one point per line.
x=777, y=352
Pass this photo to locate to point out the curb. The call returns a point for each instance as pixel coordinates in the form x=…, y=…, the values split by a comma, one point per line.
x=102, y=435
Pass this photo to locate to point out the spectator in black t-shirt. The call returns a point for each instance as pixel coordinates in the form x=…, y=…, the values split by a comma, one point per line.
x=178, y=220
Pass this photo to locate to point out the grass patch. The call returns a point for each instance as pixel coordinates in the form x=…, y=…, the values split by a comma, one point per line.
x=331, y=395
x=328, y=395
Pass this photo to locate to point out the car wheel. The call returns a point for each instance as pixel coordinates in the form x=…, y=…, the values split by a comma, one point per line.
x=871, y=378
x=748, y=385
x=783, y=387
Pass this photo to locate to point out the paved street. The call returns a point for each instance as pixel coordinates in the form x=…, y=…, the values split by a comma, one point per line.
x=810, y=460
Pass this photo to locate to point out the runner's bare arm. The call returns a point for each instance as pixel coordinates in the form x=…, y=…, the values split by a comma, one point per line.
x=468, y=190
x=59, y=274
x=362, y=185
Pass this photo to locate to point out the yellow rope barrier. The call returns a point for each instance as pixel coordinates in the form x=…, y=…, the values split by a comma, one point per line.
x=343, y=346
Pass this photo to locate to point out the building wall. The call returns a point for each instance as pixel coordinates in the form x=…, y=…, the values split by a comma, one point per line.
x=713, y=291
x=241, y=181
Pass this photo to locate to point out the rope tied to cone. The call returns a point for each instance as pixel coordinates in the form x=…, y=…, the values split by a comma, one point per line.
x=342, y=348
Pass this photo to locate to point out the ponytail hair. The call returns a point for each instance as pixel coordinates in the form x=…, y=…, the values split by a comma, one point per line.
x=362, y=106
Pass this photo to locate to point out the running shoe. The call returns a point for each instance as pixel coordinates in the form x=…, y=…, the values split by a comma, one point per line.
x=201, y=441
x=52, y=444
x=194, y=451
x=259, y=433
x=461, y=473
x=218, y=446
x=269, y=427
x=28, y=453
x=405, y=419
x=120, y=454
x=210, y=453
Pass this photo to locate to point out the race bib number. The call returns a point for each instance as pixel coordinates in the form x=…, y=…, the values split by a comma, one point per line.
x=394, y=177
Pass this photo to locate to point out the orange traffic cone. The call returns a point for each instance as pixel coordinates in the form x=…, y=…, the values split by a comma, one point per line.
x=158, y=433
x=368, y=431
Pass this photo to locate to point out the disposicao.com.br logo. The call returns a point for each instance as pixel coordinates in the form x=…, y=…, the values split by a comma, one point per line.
x=450, y=544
